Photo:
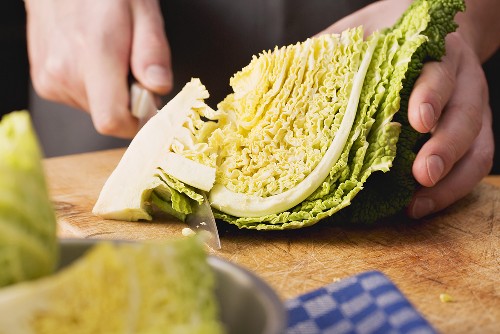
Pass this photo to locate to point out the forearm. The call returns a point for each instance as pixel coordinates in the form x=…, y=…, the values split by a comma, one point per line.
x=480, y=26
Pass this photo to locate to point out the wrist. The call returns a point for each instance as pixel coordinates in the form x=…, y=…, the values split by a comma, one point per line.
x=478, y=26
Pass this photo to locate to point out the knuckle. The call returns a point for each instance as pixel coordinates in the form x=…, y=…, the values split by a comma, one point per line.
x=56, y=69
x=435, y=98
x=107, y=125
x=453, y=144
x=454, y=40
x=111, y=125
x=155, y=38
x=447, y=76
x=156, y=47
x=484, y=159
x=473, y=117
x=451, y=152
x=43, y=86
x=47, y=79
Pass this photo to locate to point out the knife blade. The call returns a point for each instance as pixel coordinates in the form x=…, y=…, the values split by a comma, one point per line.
x=143, y=106
x=202, y=219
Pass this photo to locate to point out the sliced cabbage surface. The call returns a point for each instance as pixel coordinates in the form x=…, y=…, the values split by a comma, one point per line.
x=325, y=121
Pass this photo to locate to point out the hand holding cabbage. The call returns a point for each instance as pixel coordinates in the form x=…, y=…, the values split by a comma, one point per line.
x=450, y=101
x=305, y=135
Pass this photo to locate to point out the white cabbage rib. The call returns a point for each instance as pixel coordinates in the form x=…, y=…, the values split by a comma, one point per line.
x=244, y=205
x=188, y=171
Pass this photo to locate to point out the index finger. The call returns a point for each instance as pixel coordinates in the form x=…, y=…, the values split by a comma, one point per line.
x=106, y=71
x=434, y=88
x=459, y=125
x=108, y=100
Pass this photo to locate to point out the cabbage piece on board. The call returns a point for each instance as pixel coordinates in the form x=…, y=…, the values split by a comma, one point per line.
x=165, y=287
x=318, y=129
x=141, y=175
x=28, y=244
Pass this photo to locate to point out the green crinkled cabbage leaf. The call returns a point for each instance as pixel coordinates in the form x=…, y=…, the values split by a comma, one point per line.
x=387, y=194
x=174, y=197
x=28, y=243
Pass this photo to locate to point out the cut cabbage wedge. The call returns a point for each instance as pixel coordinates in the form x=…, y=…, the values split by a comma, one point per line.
x=243, y=205
x=126, y=193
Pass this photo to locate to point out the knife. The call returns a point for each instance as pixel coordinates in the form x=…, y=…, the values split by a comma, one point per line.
x=143, y=106
x=143, y=103
x=202, y=219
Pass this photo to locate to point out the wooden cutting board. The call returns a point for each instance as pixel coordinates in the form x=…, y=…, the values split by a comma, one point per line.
x=456, y=252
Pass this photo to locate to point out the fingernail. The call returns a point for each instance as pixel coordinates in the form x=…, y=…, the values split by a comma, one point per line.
x=427, y=115
x=158, y=76
x=435, y=168
x=422, y=206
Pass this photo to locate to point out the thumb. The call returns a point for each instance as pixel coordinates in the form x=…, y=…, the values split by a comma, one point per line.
x=150, y=54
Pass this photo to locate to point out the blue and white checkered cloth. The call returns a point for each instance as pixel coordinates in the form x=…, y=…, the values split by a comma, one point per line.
x=365, y=303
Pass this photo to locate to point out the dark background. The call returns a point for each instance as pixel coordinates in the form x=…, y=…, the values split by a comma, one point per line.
x=14, y=68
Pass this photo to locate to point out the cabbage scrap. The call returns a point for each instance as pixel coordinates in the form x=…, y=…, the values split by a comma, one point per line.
x=313, y=130
x=28, y=243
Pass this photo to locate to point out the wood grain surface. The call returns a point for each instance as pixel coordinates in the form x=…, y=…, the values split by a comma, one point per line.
x=455, y=252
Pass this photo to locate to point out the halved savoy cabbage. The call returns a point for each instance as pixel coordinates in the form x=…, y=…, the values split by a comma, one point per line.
x=311, y=130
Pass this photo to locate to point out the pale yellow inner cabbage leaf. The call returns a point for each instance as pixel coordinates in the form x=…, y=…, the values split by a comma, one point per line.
x=286, y=108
